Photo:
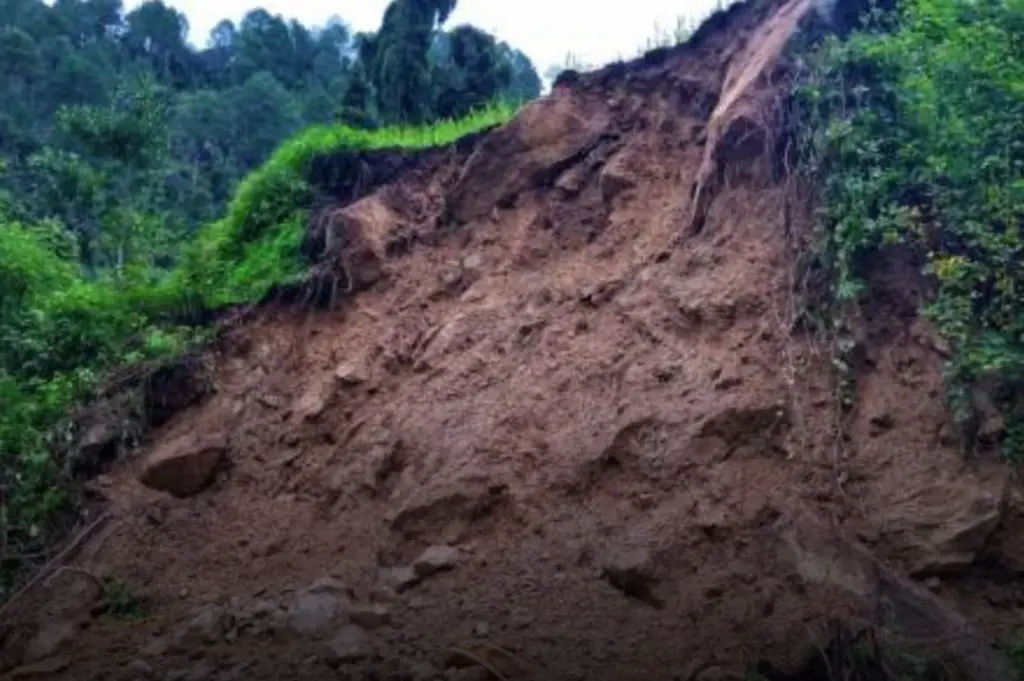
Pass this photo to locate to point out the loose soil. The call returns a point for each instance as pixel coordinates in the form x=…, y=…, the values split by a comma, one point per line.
x=559, y=402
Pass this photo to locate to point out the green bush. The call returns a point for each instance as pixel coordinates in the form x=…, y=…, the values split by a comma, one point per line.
x=59, y=332
x=916, y=128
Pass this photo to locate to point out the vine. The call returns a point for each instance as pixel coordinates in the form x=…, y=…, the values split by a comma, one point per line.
x=914, y=129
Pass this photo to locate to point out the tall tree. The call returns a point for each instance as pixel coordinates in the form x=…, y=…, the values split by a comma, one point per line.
x=396, y=58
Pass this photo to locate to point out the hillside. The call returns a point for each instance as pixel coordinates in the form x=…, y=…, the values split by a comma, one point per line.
x=562, y=397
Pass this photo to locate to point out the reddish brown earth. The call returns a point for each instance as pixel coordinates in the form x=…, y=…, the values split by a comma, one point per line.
x=566, y=410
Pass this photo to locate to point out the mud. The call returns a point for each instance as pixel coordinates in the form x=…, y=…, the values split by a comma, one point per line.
x=554, y=413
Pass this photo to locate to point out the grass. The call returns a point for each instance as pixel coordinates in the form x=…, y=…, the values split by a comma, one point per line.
x=256, y=245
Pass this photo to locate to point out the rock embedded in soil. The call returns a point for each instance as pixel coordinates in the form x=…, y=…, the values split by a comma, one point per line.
x=140, y=668
x=317, y=398
x=156, y=648
x=422, y=671
x=312, y=613
x=436, y=559
x=350, y=374
x=350, y=644
x=43, y=668
x=328, y=585
x=200, y=671
x=210, y=625
x=631, y=572
x=185, y=466
x=467, y=674
x=262, y=609
x=397, y=579
x=50, y=638
x=616, y=178
x=958, y=534
x=371, y=615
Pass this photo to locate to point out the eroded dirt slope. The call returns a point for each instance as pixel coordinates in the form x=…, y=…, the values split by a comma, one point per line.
x=564, y=411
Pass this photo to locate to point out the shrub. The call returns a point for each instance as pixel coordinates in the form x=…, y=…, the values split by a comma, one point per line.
x=917, y=131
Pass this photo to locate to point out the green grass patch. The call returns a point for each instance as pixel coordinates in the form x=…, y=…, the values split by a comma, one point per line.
x=256, y=245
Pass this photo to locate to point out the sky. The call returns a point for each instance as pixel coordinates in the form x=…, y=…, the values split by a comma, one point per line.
x=546, y=30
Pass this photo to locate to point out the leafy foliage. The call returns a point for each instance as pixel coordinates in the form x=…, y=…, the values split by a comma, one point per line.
x=917, y=129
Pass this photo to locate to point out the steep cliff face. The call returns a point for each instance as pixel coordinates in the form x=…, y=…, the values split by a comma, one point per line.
x=561, y=416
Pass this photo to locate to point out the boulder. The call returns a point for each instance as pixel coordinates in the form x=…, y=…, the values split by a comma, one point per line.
x=186, y=465
x=533, y=148
x=356, y=237
x=942, y=528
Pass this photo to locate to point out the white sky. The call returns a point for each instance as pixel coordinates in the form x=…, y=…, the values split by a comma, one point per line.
x=546, y=30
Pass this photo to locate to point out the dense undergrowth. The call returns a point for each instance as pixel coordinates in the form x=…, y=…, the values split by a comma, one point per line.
x=61, y=331
x=914, y=133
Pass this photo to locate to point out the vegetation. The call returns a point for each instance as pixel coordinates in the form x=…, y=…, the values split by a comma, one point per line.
x=137, y=182
x=256, y=244
x=915, y=127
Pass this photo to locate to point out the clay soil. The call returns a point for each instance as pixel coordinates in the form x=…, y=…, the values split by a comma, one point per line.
x=572, y=368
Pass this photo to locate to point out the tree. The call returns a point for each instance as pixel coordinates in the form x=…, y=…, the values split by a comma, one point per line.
x=396, y=58
x=477, y=72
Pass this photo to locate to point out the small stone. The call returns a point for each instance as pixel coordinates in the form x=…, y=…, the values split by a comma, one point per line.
x=523, y=620
x=481, y=630
x=467, y=674
x=350, y=644
x=49, y=640
x=263, y=608
x=436, y=559
x=158, y=647
x=201, y=671
x=270, y=400
x=717, y=674
x=47, y=667
x=615, y=178
x=312, y=613
x=422, y=671
x=314, y=401
x=140, y=668
x=399, y=578
x=631, y=573
x=156, y=514
x=473, y=261
x=209, y=626
x=350, y=373
x=327, y=585
x=371, y=615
